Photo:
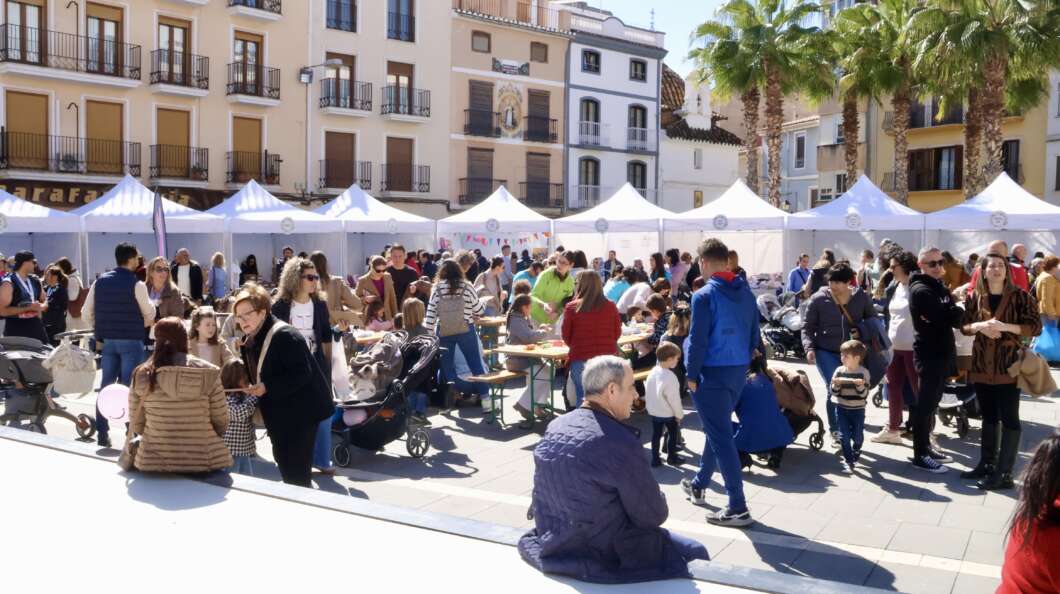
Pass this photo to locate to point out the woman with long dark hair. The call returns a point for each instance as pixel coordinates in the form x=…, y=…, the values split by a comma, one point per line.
x=658, y=268
x=591, y=327
x=451, y=314
x=1033, y=551
x=248, y=270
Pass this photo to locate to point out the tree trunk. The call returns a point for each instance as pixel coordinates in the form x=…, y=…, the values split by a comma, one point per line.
x=850, y=135
x=900, y=103
x=973, y=141
x=774, y=121
x=993, y=104
x=750, y=99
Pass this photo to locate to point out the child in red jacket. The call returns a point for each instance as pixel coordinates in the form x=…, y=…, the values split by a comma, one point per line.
x=1032, y=558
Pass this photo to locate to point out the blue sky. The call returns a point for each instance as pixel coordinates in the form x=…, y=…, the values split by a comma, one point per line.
x=677, y=18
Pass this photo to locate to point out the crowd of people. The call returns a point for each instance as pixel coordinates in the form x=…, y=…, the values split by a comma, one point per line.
x=917, y=319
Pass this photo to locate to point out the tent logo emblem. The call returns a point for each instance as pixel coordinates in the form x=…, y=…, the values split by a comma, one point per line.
x=601, y=225
x=998, y=219
x=853, y=220
x=721, y=222
x=493, y=225
x=391, y=225
x=287, y=225
x=3, y=222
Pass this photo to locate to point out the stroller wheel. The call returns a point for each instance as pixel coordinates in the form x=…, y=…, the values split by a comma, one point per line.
x=817, y=441
x=418, y=442
x=877, y=397
x=946, y=417
x=86, y=426
x=341, y=454
x=962, y=426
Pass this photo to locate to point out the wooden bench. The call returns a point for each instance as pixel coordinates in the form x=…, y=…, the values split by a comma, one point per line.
x=497, y=381
x=640, y=375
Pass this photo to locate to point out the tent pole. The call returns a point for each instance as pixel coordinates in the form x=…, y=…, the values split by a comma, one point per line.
x=661, y=247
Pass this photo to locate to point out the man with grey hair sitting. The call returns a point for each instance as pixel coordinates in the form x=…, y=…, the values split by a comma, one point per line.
x=598, y=510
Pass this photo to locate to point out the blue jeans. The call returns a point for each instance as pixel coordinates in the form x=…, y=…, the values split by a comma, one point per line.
x=468, y=345
x=716, y=396
x=322, y=445
x=242, y=465
x=418, y=402
x=576, y=370
x=120, y=358
x=827, y=362
x=851, y=431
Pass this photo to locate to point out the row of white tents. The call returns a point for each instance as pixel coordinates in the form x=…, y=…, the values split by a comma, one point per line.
x=355, y=224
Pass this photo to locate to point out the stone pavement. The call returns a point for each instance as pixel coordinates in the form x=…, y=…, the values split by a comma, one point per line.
x=889, y=526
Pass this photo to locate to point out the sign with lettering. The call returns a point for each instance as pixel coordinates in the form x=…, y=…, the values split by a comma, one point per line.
x=63, y=195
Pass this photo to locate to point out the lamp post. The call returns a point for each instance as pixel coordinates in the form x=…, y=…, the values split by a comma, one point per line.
x=305, y=76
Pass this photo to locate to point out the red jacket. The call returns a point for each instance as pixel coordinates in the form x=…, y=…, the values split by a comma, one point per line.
x=1019, y=277
x=591, y=333
x=1035, y=568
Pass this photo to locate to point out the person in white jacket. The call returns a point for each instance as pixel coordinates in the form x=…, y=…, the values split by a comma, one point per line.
x=663, y=399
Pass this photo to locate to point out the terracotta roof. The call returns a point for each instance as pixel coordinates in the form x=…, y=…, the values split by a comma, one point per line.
x=673, y=89
x=680, y=130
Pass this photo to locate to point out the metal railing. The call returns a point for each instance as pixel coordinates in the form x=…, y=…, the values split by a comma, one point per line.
x=406, y=101
x=244, y=166
x=266, y=5
x=179, y=162
x=476, y=189
x=345, y=93
x=482, y=122
x=341, y=173
x=522, y=12
x=400, y=26
x=178, y=68
x=68, y=154
x=66, y=51
x=585, y=196
x=342, y=15
x=592, y=133
x=541, y=194
x=405, y=177
x=640, y=139
x=253, y=79
x=540, y=129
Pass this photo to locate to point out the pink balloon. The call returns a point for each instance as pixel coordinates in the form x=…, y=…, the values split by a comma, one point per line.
x=113, y=403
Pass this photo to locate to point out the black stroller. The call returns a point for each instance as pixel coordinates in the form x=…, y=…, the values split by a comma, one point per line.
x=25, y=385
x=782, y=326
x=388, y=414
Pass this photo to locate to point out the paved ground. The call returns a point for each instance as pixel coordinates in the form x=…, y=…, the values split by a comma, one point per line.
x=890, y=526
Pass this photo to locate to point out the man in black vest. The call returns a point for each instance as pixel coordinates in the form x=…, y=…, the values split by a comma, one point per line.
x=118, y=308
x=187, y=274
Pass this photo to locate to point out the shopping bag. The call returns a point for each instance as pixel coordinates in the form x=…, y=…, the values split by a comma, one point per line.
x=1047, y=344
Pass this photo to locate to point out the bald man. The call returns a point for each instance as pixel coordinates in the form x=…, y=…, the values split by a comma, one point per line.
x=1019, y=273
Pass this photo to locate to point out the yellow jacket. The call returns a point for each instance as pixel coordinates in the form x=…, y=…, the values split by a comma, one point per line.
x=1048, y=293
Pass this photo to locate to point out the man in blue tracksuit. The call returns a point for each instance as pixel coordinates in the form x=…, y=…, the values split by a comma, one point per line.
x=722, y=337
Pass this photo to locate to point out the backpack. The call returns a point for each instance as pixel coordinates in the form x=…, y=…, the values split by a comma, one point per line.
x=371, y=371
x=449, y=311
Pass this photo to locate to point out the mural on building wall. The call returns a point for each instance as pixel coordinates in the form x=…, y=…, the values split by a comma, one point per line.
x=510, y=106
x=511, y=67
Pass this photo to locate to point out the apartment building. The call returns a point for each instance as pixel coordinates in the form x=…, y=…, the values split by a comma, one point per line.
x=1052, y=141
x=614, y=72
x=378, y=101
x=506, y=117
x=194, y=97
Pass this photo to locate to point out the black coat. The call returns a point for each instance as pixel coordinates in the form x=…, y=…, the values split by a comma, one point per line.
x=195, y=272
x=935, y=314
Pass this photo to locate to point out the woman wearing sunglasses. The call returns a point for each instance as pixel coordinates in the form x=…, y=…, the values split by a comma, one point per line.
x=302, y=304
x=378, y=285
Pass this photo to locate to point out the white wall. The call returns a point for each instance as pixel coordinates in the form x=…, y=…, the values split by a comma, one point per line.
x=612, y=171
x=614, y=72
x=1052, y=153
x=679, y=179
x=829, y=125
x=614, y=116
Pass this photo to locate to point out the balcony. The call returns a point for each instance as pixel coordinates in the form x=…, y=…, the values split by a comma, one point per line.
x=539, y=129
x=541, y=194
x=340, y=96
x=64, y=56
x=405, y=178
x=244, y=166
x=253, y=84
x=476, y=189
x=342, y=15
x=593, y=134
x=176, y=73
x=180, y=163
x=341, y=174
x=585, y=196
x=406, y=104
x=519, y=12
x=594, y=25
x=482, y=122
x=263, y=10
x=68, y=155
x=640, y=140
x=400, y=26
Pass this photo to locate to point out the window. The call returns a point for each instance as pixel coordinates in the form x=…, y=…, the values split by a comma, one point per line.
x=839, y=130
x=591, y=61
x=697, y=159
x=538, y=52
x=1010, y=159
x=800, y=150
x=818, y=197
x=936, y=169
x=104, y=36
x=480, y=42
x=401, y=20
x=638, y=70
x=637, y=175
x=588, y=172
x=840, y=183
x=342, y=15
x=172, y=44
x=589, y=131
x=23, y=40
x=1057, y=186
x=697, y=198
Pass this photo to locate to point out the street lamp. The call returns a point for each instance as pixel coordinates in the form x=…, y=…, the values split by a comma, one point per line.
x=305, y=74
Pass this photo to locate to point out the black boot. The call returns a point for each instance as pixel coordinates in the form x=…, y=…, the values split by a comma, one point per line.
x=1002, y=475
x=987, y=453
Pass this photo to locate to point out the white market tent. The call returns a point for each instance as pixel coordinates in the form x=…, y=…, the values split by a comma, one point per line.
x=124, y=213
x=625, y=222
x=740, y=218
x=256, y=222
x=500, y=217
x=1004, y=210
x=50, y=234
x=859, y=219
x=370, y=225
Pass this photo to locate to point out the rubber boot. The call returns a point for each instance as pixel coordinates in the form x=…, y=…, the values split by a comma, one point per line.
x=987, y=453
x=1002, y=475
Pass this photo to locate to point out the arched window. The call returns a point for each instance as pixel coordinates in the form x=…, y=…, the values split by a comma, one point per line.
x=637, y=175
x=588, y=182
x=590, y=110
x=589, y=128
x=637, y=132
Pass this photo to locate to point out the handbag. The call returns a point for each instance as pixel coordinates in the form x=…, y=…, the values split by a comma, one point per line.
x=875, y=360
x=1047, y=344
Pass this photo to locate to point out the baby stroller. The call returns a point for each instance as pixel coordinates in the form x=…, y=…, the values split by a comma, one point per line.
x=796, y=401
x=386, y=415
x=782, y=327
x=25, y=384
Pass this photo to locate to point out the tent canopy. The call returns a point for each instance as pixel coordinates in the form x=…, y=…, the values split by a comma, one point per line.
x=626, y=210
x=863, y=207
x=361, y=213
x=128, y=206
x=254, y=210
x=22, y=216
x=1004, y=204
x=737, y=209
x=501, y=213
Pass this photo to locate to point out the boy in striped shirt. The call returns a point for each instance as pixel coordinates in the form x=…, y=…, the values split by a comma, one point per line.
x=850, y=385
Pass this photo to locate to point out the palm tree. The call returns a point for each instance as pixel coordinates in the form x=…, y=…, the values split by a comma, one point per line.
x=756, y=46
x=859, y=58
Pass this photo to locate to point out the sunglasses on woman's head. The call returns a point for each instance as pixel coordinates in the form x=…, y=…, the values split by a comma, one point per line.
x=310, y=277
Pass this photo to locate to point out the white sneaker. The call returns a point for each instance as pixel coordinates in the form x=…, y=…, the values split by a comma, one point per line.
x=887, y=436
